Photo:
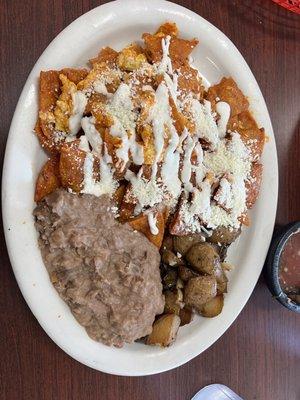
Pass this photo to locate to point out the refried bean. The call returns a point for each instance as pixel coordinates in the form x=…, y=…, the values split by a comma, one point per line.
x=105, y=271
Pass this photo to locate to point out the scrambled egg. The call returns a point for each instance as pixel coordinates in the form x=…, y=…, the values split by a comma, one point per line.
x=64, y=104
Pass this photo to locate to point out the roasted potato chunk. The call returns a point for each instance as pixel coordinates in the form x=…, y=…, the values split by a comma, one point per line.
x=199, y=290
x=48, y=179
x=186, y=316
x=170, y=279
x=174, y=301
x=169, y=258
x=185, y=273
x=213, y=307
x=221, y=279
x=183, y=243
x=224, y=236
x=167, y=243
x=203, y=258
x=164, y=330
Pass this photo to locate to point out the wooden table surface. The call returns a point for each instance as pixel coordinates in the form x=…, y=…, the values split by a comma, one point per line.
x=259, y=356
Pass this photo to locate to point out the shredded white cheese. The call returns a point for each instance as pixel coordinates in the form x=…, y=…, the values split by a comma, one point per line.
x=147, y=193
x=230, y=156
x=206, y=127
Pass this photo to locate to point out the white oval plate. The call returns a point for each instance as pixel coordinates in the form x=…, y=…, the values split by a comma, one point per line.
x=117, y=24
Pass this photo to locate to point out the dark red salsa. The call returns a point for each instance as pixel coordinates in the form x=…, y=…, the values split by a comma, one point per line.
x=289, y=273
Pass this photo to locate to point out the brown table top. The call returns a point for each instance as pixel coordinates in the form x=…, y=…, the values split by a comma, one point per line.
x=259, y=356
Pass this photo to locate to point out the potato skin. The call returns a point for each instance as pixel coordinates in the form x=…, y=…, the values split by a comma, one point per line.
x=185, y=273
x=170, y=279
x=173, y=301
x=203, y=258
x=169, y=258
x=213, y=307
x=199, y=290
x=167, y=243
x=183, y=243
x=221, y=280
x=224, y=236
x=164, y=331
x=186, y=316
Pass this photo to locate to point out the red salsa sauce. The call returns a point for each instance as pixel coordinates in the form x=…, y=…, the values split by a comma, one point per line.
x=289, y=272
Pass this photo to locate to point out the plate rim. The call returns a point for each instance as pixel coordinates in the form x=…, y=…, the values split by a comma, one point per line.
x=10, y=144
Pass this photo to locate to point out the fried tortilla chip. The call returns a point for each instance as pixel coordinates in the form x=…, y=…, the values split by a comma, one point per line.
x=179, y=50
x=49, y=93
x=48, y=179
x=179, y=119
x=252, y=136
x=127, y=205
x=119, y=194
x=168, y=28
x=106, y=55
x=189, y=81
x=228, y=91
x=47, y=143
x=71, y=166
x=140, y=223
x=253, y=184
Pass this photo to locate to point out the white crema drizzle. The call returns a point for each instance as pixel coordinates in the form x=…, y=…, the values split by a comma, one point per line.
x=106, y=185
x=92, y=138
x=79, y=102
x=152, y=224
